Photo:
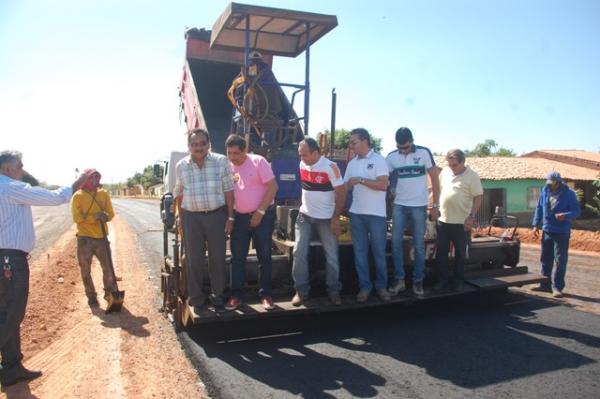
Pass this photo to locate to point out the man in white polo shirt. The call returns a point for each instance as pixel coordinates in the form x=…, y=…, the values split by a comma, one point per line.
x=460, y=199
x=367, y=176
x=323, y=197
x=409, y=166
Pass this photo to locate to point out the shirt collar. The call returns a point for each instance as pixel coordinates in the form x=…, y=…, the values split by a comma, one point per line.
x=368, y=155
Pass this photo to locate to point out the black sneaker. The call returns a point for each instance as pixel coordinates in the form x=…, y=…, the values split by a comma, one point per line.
x=457, y=286
x=440, y=286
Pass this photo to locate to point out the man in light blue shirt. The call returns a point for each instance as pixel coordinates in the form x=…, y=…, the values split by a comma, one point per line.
x=17, y=239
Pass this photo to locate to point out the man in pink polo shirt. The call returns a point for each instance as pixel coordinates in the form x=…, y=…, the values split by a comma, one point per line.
x=254, y=189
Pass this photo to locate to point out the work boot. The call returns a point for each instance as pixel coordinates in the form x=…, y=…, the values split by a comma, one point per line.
x=17, y=374
x=397, y=287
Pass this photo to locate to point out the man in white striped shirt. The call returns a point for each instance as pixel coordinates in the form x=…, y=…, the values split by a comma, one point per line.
x=17, y=239
x=204, y=188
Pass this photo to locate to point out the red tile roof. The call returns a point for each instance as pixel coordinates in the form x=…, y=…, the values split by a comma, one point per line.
x=513, y=168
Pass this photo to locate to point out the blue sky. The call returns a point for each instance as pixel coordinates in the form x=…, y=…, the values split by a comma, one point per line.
x=94, y=83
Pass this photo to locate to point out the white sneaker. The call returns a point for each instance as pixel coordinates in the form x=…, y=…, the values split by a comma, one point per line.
x=418, y=289
x=557, y=293
x=397, y=287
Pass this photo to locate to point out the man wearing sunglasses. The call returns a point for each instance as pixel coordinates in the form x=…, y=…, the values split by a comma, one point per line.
x=409, y=167
x=204, y=192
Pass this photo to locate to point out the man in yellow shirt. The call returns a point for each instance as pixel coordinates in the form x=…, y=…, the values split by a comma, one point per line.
x=460, y=198
x=91, y=207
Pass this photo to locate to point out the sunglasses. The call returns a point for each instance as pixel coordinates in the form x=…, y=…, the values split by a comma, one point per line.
x=404, y=147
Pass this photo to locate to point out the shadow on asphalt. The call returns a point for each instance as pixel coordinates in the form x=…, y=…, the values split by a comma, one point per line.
x=468, y=341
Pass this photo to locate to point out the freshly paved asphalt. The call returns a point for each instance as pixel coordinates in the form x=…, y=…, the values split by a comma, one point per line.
x=468, y=347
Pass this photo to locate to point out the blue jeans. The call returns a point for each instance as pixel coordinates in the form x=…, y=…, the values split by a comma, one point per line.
x=261, y=236
x=417, y=215
x=369, y=230
x=304, y=228
x=555, y=249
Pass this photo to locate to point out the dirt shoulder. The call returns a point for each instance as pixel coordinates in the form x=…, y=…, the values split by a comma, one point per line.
x=84, y=352
x=581, y=240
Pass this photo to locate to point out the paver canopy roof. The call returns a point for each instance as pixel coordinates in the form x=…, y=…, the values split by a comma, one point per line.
x=272, y=30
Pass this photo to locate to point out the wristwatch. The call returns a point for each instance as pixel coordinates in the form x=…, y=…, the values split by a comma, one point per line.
x=231, y=218
x=361, y=181
x=260, y=211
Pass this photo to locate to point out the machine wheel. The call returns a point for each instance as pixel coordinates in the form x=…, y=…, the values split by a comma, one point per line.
x=178, y=314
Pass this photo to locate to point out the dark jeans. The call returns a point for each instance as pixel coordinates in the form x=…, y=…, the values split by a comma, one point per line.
x=451, y=233
x=555, y=249
x=202, y=231
x=13, y=301
x=261, y=236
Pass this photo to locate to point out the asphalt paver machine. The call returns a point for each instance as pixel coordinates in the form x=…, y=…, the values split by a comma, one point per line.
x=228, y=86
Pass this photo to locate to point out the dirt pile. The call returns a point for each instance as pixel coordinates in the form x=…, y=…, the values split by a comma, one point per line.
x=85, y=353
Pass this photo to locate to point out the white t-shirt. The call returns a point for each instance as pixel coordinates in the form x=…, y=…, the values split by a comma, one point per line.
x=412, y=168
x=318, y=182
x=366, y=201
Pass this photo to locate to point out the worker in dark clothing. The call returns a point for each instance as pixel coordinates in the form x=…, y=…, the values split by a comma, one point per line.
x=17, y=239
x=556, y=208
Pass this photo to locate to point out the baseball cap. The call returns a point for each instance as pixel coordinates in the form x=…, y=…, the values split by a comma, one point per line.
x=553, y=177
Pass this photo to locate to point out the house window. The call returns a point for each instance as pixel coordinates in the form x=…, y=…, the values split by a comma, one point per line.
x=533, y=194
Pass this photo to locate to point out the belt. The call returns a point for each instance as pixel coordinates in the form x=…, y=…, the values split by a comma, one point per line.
x=222, y=208
x=13, y=252
x=269, y=208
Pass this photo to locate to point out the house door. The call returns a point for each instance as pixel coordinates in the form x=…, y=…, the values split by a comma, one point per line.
x=492, y=198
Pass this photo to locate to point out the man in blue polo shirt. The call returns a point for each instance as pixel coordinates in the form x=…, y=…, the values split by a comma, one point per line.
x=409, y=166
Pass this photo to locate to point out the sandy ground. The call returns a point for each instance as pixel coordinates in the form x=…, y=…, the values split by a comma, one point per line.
x=85, y=353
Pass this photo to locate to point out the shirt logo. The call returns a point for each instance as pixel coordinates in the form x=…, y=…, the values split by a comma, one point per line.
x=416, y=159
x=370, y=166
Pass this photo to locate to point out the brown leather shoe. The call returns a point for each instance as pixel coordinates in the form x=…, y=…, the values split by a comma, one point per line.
x=20, y=373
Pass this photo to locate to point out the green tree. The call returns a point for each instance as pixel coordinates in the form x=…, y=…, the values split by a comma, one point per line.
x=595, y=208
x=342, y=137
x=146, y=178
x=488, y=149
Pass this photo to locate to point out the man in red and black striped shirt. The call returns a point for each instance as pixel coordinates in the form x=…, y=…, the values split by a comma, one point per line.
x=323, y=197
